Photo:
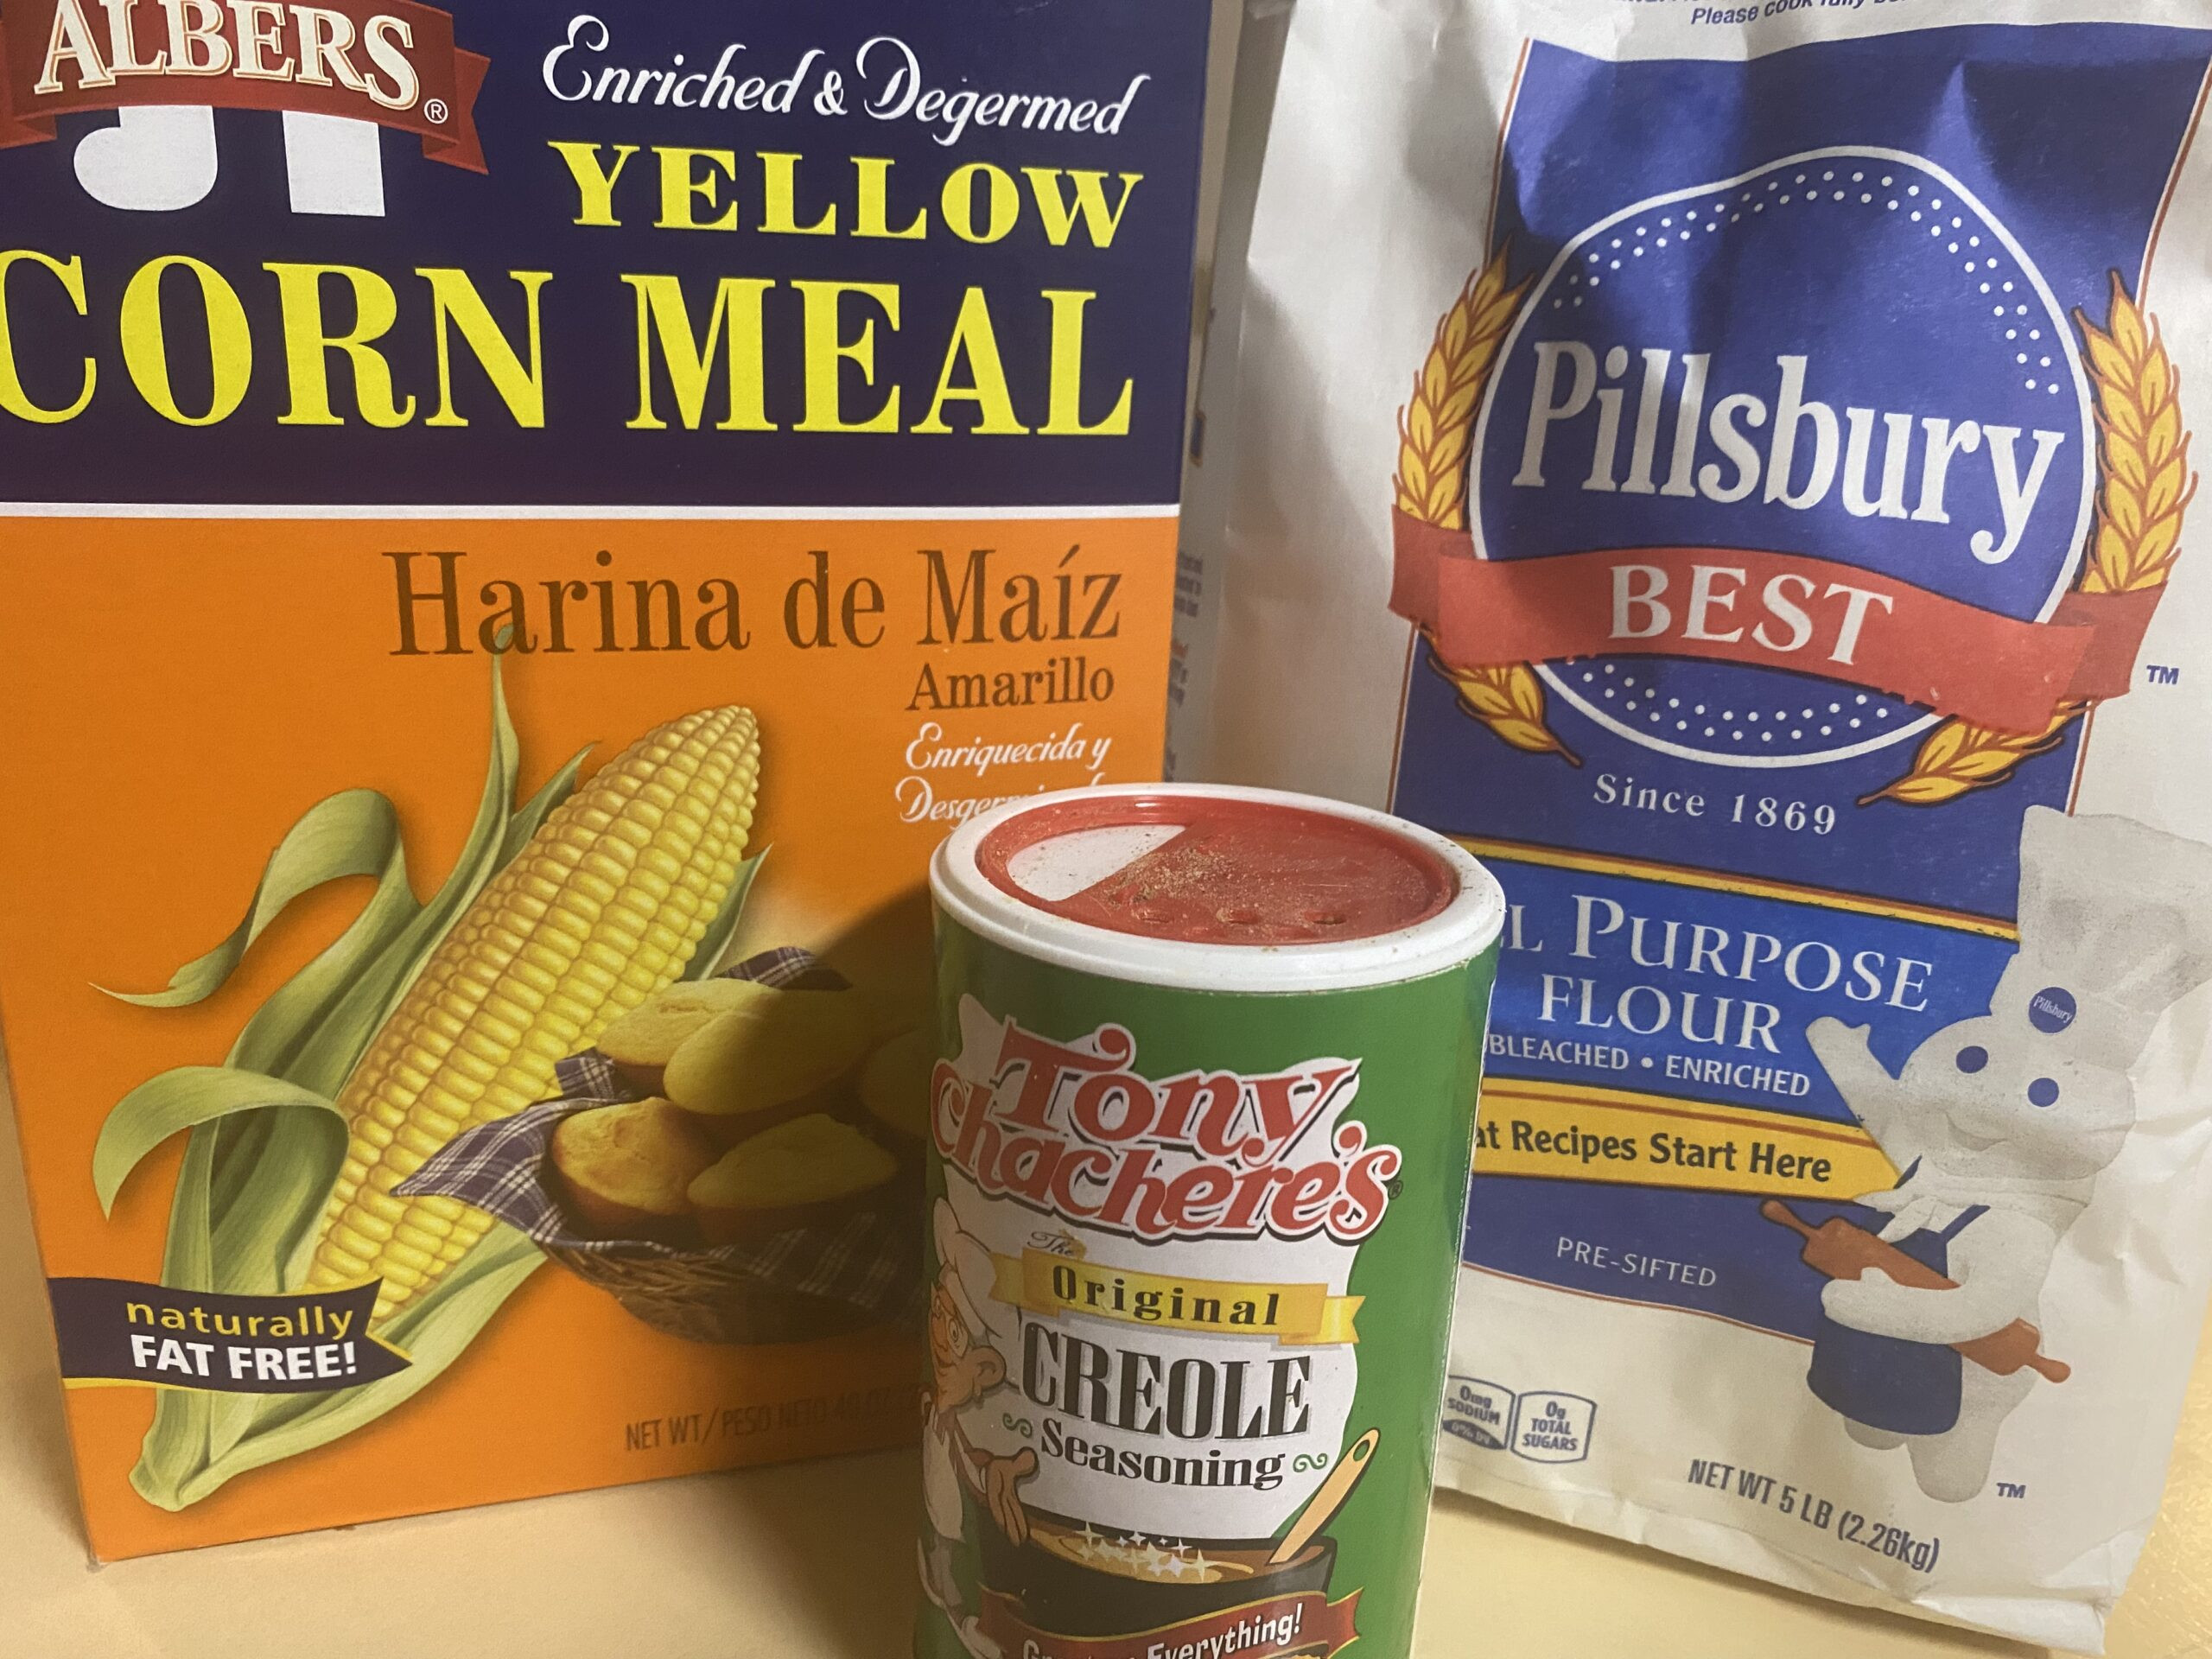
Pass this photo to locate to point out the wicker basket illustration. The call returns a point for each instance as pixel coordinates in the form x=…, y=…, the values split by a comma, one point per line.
x=827, y=1279
x=701, y=1298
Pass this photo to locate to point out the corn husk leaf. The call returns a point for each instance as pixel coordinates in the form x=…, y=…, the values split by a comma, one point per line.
x=249, y=1157
x=352, y=833
x=272, y=1038
x=433, y=1332
x=178, y=1439
x=346, y=1028
x=527, y=822
x=251, y=1134
x=714, y=944
x=183, y=1099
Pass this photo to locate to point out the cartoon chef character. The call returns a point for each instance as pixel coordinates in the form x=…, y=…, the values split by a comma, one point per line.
x=2000, y=1125
x=967, y=1449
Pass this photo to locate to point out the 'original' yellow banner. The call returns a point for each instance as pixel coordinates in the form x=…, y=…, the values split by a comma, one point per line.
x=1577, y=1132
x=1041, y=1283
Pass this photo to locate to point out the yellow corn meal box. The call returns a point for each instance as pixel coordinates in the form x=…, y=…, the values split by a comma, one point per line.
x=523, y=529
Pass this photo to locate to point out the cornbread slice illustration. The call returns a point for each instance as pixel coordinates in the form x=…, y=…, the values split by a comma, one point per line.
x=770, y=1053
x=626, y=1169
x=894, y=1084
x=797, y=1175
x=641, y=1043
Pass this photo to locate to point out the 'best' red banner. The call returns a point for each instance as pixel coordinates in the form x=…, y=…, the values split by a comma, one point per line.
x=1308, y=1625
x=1776, y=610
x=390, y=62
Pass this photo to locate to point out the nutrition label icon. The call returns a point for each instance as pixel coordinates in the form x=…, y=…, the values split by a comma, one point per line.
x=1553, y=1427
x=1477, y=1412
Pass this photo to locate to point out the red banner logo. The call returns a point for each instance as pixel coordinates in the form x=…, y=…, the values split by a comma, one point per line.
x=1306, y=1626
x=390, y=62
x=1771, y=610
x=1078, y=1132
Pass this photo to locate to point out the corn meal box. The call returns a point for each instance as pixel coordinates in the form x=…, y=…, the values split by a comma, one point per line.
x=1197, y=1169
x=524, y=528
x=1750, y=505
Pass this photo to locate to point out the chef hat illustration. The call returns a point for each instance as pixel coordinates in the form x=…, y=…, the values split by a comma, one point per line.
x=982, y=1035
x=971, y=1277
x=2115, y=927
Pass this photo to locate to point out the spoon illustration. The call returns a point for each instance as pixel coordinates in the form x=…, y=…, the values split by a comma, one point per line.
x=1327, y=1498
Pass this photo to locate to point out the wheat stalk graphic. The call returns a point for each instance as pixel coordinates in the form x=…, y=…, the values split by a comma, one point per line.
x=2143, y=487
x=1435, y=431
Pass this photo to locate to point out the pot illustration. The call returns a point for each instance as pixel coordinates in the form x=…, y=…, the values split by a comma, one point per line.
x=1072, y=1578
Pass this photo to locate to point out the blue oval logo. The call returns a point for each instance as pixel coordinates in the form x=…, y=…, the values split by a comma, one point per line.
x=1893, y=388
x=2051, y=1009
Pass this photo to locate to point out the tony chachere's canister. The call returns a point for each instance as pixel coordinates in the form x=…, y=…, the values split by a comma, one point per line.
x=1201, y=1137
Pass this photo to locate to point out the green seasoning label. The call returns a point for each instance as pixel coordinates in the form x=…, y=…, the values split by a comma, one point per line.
x=1191, y=1279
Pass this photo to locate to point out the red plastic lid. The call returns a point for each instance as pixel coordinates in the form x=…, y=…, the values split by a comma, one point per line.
x=1207, y=870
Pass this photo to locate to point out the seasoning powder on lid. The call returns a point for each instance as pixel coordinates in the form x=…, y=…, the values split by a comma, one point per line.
x=1216, y=869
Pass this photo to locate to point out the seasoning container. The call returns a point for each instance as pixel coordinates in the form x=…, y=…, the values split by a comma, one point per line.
x=1198, y=1176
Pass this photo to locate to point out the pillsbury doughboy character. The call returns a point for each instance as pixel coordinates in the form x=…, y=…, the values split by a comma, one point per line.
x=2000, y=1125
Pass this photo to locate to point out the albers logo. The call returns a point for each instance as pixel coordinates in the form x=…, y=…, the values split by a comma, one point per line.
x=1074, y=1131
x=389, y=62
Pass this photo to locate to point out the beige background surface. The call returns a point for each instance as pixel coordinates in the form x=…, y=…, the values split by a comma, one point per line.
x=815, y=1561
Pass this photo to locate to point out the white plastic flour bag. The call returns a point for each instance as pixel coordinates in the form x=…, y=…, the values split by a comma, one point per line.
x=1731, y=466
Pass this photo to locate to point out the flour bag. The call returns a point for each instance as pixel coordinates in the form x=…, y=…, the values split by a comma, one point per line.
x=1731, y=466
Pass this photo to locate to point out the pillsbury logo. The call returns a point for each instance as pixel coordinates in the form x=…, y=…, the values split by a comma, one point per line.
x=1785, y=470
x=1839, y=367
x=2051, y=1009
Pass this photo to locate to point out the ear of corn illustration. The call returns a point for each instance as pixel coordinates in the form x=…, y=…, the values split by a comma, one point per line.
x=603, y=907
x=421, y=1019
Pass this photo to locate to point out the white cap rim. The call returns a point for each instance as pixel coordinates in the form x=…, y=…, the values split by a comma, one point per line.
x=1462, y=931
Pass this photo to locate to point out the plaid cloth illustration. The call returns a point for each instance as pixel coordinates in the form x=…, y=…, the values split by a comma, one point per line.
x=871, y=1262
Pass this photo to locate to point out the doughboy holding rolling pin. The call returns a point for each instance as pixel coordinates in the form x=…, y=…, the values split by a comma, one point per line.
x=2000, y=1125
